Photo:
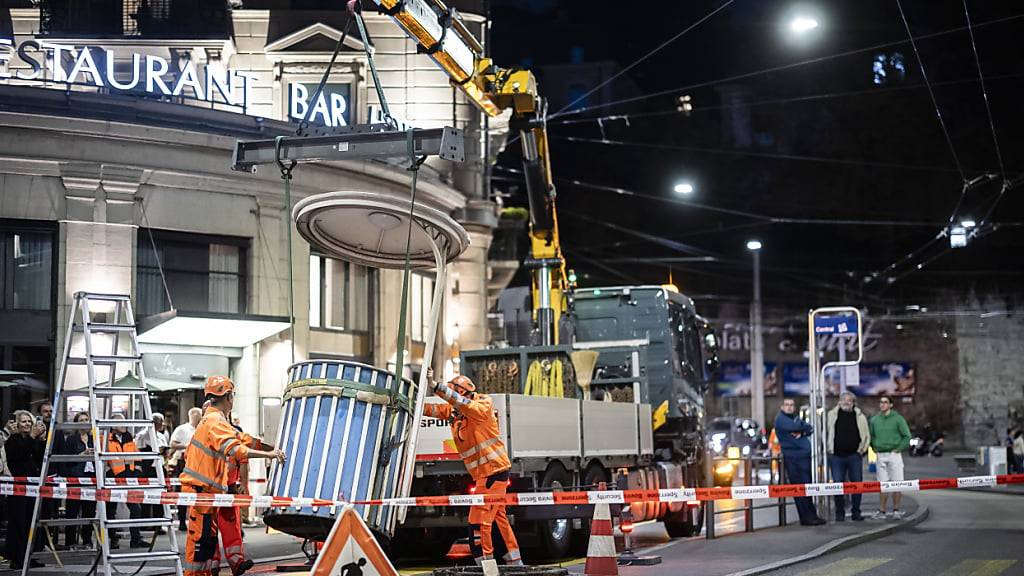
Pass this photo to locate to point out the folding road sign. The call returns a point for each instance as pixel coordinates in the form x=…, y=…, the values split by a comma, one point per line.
x=351, y=550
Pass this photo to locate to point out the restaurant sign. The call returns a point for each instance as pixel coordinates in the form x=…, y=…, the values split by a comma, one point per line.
x=94, y=66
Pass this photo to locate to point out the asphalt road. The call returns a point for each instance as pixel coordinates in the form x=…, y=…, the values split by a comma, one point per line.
x=966, y=533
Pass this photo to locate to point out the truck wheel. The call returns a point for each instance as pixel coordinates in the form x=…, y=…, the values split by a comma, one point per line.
x=690, y=520
x=555, y=535
x=685, y=523
x=581, y=536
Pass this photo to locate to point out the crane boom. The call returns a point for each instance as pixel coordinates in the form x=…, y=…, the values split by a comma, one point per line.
x=441, y=34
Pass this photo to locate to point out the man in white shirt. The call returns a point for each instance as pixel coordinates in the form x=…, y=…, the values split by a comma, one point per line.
x=180, y=439
x=148, y=468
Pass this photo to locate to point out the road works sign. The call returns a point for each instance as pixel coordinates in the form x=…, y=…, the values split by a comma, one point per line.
x=351, y=550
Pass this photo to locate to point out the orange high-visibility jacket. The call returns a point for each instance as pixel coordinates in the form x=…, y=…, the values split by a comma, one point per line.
x=215, y=444
x=121, y=442
x=475, y=431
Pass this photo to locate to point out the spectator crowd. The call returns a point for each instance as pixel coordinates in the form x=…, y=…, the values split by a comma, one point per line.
x=849, y=434
x=22, y=445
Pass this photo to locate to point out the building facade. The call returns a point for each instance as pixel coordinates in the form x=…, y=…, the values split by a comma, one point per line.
x=116, y=142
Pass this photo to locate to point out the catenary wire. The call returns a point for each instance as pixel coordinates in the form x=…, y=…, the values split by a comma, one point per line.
x=778, y=68
x=650, y=53
x=674, y=111
x=768, y=155
x=984, y=92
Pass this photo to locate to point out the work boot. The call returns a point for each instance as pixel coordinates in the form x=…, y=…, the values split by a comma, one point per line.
x=242, y=567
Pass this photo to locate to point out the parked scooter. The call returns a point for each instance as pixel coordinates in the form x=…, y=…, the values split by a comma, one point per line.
x=927, y=442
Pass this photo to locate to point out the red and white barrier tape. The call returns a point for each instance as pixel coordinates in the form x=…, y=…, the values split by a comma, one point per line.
x=90, y=481
x=515, y=499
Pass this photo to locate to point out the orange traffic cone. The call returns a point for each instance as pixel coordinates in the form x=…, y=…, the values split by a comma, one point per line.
x=602, y=560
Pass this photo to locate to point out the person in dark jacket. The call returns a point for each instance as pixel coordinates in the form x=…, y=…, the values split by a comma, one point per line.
x=793, y=434
x=78, y=442
x=24, y=458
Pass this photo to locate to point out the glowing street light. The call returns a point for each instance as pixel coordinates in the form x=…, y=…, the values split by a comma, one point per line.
x=684, y=188
x=802, y=24
x=968, y=223
x=754, y=245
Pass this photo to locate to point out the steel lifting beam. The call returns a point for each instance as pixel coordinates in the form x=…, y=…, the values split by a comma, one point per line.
x=361, y=142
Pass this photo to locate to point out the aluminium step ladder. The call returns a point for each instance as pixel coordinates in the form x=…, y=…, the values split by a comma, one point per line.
x=102, y=338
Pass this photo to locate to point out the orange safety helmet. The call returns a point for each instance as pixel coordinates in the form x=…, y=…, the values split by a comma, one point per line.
x=463, y=385
x=218, y=386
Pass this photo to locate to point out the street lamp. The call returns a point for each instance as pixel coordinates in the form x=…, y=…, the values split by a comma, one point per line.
x=802, y=24
x=684, y=188
x=757, y=344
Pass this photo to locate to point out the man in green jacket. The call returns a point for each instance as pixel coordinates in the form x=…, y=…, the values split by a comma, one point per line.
x=890, y=436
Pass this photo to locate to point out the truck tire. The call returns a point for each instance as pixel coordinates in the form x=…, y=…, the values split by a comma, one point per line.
x=687, y=522
x=690, y=520
x=555, y=535
x=594, y=474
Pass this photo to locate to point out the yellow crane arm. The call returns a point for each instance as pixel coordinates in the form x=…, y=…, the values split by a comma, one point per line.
x=441, y=34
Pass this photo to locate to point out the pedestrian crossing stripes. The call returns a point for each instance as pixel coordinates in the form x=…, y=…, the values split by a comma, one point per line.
x=975, y=567
x=846, y=567
x=853, y=566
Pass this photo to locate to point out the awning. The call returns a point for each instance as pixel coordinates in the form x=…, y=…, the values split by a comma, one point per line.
x=157, y=384
x=180, y=328
x=12, y=378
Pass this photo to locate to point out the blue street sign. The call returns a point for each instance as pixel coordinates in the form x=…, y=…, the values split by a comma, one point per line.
x=835, y=325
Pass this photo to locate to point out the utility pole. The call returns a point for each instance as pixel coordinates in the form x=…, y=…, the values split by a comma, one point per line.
x=756, y=341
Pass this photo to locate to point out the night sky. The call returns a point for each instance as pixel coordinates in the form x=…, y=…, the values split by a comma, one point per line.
x=851, y=143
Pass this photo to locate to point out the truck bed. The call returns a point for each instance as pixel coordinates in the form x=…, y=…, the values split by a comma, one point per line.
x=545, y=428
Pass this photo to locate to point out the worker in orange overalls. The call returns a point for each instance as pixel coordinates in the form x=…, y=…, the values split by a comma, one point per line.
x=120, y=440
x=475, y=432
x=229, y=520
x=215, y=445
x=776, y=451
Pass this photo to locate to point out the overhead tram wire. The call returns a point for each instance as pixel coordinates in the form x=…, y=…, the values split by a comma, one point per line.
x=935, y=102
x=767, y=155
x=650, y=53
x=984, y=92
x=776, y=68
x=764, y=218
x=965, y=184
x=674, y=111
x=715, y=258
x=991, y=125
x=635, y=63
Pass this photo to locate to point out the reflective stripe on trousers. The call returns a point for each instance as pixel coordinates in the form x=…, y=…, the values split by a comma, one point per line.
x=200, y=541
x=485, y=516
x=229, y=523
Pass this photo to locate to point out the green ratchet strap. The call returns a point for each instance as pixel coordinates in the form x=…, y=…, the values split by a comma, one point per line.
x=349, y=389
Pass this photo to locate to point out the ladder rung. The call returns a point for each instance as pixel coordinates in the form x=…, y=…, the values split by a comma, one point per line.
x=105, y=328
x=104, y=423
x=140, y=523
x=107, y=391
x=103, y=297
x=104, y=359
x=108, y=456
x=111, y=423
x=71, y=458
x=144, y=557
x=66, y=521
x=65, y=555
